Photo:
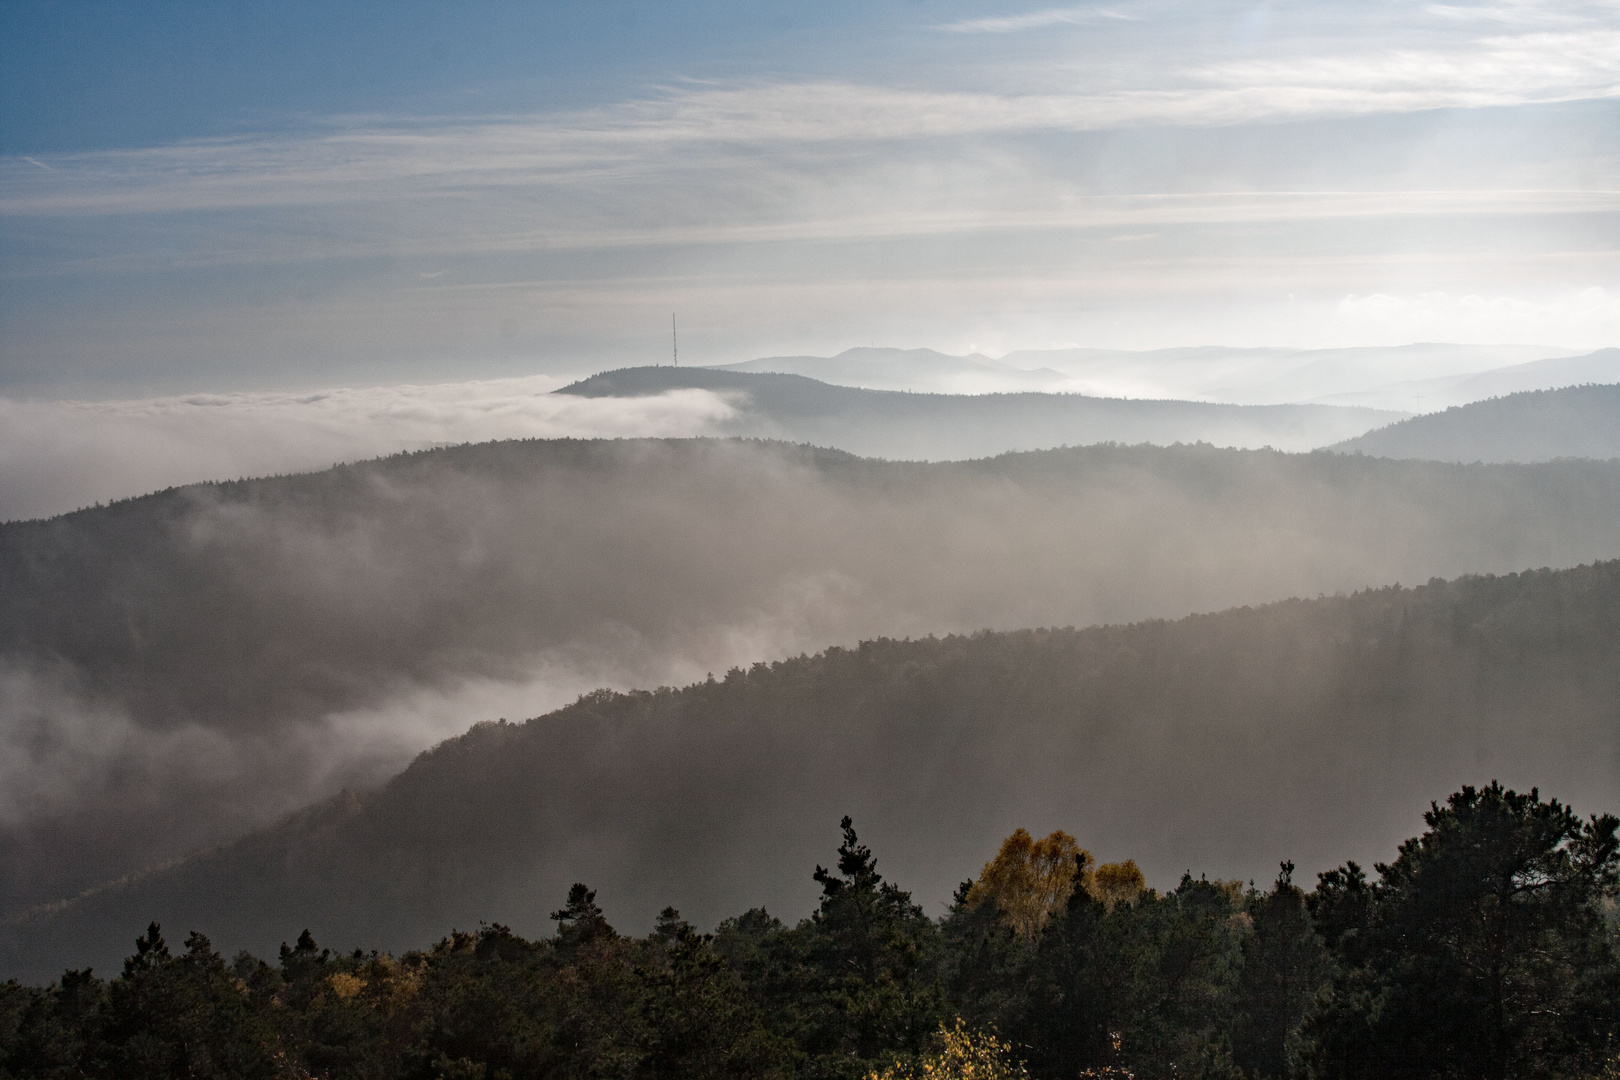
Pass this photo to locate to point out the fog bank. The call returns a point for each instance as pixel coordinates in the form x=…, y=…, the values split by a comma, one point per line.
x=1313, y=730
x=183, y=666
x=57, y=456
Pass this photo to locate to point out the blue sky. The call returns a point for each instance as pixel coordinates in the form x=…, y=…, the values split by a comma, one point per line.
x=238, y=196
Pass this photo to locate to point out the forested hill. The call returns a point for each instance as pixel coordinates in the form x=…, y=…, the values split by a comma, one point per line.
x=1540, y=425
x=894, y=424
x=178, y=669
x=1313, y=730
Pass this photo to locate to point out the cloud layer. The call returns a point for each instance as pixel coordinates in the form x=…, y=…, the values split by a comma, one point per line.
x=59, y=456
x=1265, y=163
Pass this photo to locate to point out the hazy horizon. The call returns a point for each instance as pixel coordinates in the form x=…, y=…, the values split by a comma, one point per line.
x=196, y=199
x=1191, y=425
x=61, y=455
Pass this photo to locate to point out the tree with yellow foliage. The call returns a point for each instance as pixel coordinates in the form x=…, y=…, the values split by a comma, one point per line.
x=1117, y=883
x=1030, y=879
x=962, y=1055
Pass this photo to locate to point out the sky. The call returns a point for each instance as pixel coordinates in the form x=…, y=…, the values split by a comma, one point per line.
x=204, y=197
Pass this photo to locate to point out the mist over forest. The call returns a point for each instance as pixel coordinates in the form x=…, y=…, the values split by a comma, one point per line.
x=1306, y=730
x=494, y=496
x=187, y=665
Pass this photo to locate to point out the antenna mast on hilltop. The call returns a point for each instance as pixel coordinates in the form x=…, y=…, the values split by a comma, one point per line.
x=674, y=342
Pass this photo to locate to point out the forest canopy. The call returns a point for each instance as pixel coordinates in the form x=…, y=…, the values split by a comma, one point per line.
x=1488, y=948
x=179, y=669
x=1314, y=729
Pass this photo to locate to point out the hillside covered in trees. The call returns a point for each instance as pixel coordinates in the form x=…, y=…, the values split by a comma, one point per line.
x=1488, y=948
x=1310, y=730
x=1540, y=425
x=179, y=669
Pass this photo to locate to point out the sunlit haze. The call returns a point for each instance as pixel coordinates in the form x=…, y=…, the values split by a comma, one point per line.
x=204, y=198
x=854, y=540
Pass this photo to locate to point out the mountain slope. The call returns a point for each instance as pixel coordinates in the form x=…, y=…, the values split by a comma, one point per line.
x=177, y=669
x=1577, y=421
x=1312, y=730
x=891, y=424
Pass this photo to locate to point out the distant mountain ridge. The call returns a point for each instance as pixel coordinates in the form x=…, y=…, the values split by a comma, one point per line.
x=1600, y=367
x=926, y=426
x=1538, y=425
x=916, y=370
x=1409, y=378
x=1307, y=729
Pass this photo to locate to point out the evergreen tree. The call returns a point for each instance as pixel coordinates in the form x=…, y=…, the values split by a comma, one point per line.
x=854, y=984
x=1286, y=971
x=580, y=921
x=699, y=1020
x=1482, y=951
x=49, y=1033
x=181, y=1016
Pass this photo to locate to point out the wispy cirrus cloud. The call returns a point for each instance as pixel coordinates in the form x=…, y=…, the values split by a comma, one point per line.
x=1501, y=70
x=1035, y=20
x=696, y=192
x=734, y=124
x=1530, y=13
x=775, y=135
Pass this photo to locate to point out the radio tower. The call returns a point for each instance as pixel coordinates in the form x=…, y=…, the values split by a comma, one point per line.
x=674, y=342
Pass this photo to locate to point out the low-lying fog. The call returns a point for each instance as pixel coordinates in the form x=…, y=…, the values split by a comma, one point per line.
x=57, y=456
x=182, y=667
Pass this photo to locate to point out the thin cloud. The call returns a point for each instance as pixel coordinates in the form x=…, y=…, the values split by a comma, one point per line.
x=1567, y=53
x=1592, y=313
x=721, y=174
x=630, y=143
x=931, y=206
x=1033, y=21
x=1527, y=13
x=1502, y=70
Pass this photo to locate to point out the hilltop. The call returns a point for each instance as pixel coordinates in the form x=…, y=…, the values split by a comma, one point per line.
x=1539, y=425
x=933, y=426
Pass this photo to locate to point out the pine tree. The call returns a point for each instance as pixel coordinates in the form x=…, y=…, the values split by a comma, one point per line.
x=1482, y=950
x=1286, y=971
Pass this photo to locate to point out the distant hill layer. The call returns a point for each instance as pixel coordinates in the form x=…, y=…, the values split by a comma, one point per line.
x=1403, y=377
x=1578, y=421
x=1553, y=373
x=917, y=370
x=179, y=668
x=1313, y=730
x=933, y=427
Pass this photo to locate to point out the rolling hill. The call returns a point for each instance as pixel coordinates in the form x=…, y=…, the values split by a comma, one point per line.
x=1309, y=729
x=914, y=370
x=1404, y=377
x=1552, y=373
x=934, y=427
x=1540, y=425
x=178, y=669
